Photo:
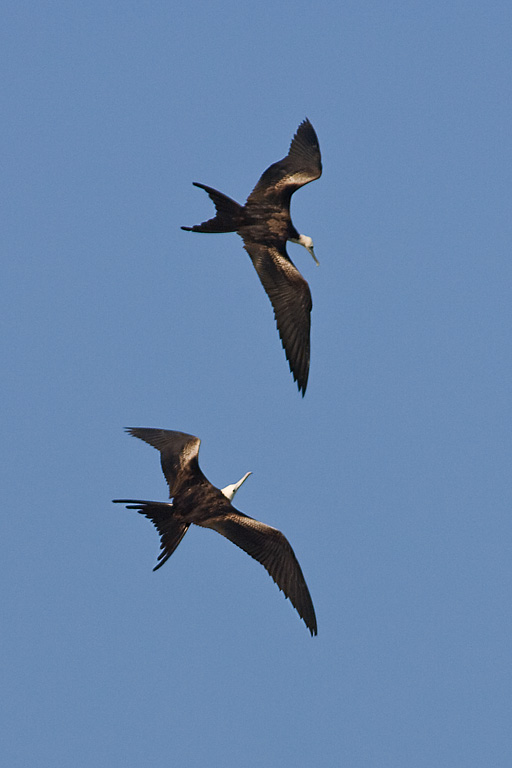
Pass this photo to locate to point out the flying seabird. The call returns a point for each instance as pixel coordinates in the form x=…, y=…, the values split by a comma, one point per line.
x=264, y=224
x=196, y=500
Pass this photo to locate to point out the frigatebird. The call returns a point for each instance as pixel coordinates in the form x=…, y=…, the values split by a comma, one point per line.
x=196, y=500
x=264, y=224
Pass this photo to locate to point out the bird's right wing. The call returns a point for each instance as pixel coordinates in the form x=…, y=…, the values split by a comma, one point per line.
x=171, y=531
x=291, y=299
x=272, y=549
x=178, y=454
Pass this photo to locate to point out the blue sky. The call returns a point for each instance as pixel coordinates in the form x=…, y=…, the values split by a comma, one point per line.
x=391, y=478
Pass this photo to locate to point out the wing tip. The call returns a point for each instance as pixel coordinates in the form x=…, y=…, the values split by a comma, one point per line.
x=132, y=430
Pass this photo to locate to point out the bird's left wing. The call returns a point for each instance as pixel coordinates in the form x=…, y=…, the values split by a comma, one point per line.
x=272, y=549
x=301, y=165
x=291, y=299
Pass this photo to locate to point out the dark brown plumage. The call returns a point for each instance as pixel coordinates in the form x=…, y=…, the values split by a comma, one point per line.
x=264, y=224
x=196, y=500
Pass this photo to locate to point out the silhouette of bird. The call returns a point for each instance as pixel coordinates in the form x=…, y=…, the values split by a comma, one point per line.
x=196, y=500
x=264, y=224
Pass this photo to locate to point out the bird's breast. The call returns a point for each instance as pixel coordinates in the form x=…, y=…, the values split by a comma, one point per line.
x=197, y=503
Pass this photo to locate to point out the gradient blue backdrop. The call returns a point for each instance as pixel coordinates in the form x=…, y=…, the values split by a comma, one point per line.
x=391, y=478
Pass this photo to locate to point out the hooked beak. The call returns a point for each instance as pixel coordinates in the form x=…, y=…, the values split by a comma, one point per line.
x=310, y=249
x=230, y=490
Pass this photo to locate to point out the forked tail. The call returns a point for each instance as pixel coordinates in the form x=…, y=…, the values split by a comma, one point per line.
x=229, y=214
x=171, y=531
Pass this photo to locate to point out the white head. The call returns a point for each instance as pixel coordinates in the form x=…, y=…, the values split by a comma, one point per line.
x=307, y=242
x=230, y=490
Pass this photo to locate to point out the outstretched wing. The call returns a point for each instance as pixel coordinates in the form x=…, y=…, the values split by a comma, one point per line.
x=270, y=548
x=170, y=530
x=302, y=164
x=292, y=303
x=178, y=454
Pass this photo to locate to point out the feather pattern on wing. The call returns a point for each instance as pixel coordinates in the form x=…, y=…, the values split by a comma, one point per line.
x=291, y=300
x=178, y=454
x=272, y=549
x=302, y=165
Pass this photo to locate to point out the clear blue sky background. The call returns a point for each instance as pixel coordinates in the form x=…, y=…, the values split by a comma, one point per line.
x=391, y=478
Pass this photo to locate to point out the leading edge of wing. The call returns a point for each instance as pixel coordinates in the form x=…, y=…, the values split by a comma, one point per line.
x=302, y=164
x=178, y=453
x=272, y=549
